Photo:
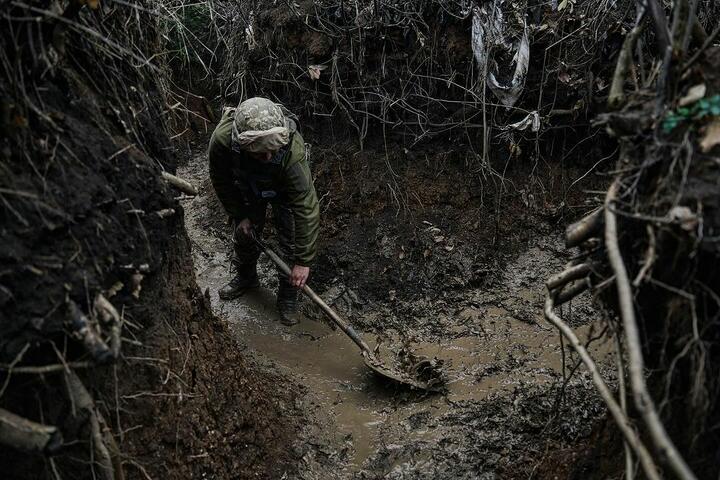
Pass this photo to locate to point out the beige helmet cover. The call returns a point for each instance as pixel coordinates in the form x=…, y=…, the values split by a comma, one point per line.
x=259, y=126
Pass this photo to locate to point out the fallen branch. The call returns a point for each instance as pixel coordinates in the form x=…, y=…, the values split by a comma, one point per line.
x=583, y=229
x=643, y=401
x=179, y=183
x=23, y=434
x=631, y=437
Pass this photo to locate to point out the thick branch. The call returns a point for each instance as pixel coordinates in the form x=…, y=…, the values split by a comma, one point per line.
x=583, y=229
x=568, y=275
x=23, y=434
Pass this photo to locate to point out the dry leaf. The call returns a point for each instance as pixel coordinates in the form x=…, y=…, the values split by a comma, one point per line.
x=688, y=220
x=694, y=94
x=711, y=137
x=314, y=71
x=439, y=239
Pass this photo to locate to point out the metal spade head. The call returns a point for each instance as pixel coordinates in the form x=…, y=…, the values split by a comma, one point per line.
x=410, y=378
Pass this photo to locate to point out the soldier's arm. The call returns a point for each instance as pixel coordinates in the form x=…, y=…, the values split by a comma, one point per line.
x=304, y=204
x=222, y=180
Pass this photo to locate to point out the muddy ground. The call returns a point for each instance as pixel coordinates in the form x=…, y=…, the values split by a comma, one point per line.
x=443, y=272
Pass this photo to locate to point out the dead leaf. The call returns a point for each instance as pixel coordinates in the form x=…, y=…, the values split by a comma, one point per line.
x=136, y=282
x=438, y=239
x=687, y=219
x=426, y=253
x=314, y=71
x=112, y=291
x=449, y=248
x=711, y=137
x=694, y=94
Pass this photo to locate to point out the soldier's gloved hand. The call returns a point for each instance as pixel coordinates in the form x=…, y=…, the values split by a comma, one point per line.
x=245, y=227
x=299, y=275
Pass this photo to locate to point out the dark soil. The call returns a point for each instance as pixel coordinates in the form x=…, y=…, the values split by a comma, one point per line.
x=79, y=189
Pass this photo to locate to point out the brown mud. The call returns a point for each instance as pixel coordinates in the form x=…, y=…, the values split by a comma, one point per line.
x=501, y=413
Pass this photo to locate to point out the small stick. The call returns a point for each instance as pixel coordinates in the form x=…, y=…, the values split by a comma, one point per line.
x=636, y=368
x=620, y=418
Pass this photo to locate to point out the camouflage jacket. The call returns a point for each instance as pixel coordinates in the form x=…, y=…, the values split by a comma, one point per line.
x=241, y=181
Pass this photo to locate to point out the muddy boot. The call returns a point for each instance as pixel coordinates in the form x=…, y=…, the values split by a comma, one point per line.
x=287, y=304
x=245, y=279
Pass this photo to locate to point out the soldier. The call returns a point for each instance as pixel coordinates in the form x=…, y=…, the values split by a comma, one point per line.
x=257, y=157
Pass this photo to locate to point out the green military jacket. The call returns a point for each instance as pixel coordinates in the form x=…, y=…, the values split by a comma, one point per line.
x=240, y=181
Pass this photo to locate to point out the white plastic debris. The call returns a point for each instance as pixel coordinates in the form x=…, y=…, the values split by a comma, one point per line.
x=531, y=121
x=490, y=34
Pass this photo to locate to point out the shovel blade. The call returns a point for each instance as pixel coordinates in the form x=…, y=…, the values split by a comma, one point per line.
x=376, y=366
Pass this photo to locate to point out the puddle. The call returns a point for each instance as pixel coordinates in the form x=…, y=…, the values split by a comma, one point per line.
x=496, y=354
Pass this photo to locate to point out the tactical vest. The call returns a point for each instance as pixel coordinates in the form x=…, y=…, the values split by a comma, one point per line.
x=260, y=182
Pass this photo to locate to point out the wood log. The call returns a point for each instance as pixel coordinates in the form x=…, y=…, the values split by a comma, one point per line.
x=23, y=434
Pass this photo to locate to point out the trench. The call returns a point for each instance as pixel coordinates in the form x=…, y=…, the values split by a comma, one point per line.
x=491, y=349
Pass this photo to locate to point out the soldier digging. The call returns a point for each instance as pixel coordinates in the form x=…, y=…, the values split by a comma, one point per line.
x=257, y=158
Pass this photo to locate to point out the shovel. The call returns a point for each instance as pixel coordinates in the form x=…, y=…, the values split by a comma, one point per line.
x=370, y=359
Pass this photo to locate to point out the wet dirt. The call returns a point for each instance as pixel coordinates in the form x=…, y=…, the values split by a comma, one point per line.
x=502, y=362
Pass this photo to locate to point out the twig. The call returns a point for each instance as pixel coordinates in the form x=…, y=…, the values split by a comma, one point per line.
x=711, y=38
x=111, y=466
x=643, y=400
x=620, y=418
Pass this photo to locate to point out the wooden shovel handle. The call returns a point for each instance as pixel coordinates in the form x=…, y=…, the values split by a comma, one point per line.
x=344, y=326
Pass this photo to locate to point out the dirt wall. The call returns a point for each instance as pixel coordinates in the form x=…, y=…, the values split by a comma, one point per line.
x=85, y=212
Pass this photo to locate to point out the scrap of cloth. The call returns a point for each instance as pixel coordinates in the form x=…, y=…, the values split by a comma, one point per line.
x=260, y=126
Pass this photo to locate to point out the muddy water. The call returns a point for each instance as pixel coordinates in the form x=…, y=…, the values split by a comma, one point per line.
x=486, y=351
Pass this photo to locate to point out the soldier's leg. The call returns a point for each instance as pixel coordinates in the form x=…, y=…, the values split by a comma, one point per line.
x=287, y=295
x=245, y=256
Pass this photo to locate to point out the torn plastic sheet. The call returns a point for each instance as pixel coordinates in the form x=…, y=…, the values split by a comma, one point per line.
x=531, y=121
x=490, y=34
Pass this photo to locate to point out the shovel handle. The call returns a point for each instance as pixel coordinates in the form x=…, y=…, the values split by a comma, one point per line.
x=344, y=326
